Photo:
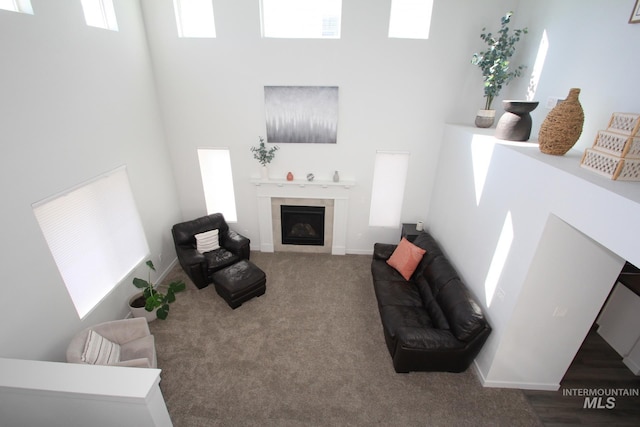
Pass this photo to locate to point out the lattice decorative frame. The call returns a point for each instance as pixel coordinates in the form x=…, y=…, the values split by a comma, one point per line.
x=624, y=123
x=601, y=163
x=617, y=144
x=630, y=171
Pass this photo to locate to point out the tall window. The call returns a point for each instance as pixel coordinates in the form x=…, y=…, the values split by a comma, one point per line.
x=217, y=181
x=389, y=177
x=23, y=6
x=195, y=18
x=410, y=19
x=302, y=19
x=100, y=14
x=95, y=235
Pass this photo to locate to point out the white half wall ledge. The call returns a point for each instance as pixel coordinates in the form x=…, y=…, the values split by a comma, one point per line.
x=483, y=186
x=39, y=393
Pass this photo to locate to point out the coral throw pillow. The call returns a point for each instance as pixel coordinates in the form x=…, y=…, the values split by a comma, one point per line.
x=406, y=258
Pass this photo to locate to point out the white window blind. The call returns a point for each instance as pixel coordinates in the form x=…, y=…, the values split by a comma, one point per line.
x=389, y=178
x=95, y=235
x=217, y=181
x=410, y=19
x=100, y=14
x=303, y=19
x=194, y=18
x=23, y=6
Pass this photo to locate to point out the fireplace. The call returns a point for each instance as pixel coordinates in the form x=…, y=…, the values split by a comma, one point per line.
x=302, y=225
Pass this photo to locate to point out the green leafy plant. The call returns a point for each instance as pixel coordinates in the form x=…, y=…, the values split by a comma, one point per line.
x=155, y=299
x=494, y=62
x=262, y=154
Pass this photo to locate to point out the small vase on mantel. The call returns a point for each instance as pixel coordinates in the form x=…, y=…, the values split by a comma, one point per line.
x=562, y=127
x=336, y=176
x=264, y=173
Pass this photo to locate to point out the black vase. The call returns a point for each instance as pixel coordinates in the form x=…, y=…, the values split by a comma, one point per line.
x=515, y=123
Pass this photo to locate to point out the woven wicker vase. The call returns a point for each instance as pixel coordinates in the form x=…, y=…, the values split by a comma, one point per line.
x=562, y=127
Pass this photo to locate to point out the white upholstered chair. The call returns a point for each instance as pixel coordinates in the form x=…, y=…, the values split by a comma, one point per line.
x=125, y=342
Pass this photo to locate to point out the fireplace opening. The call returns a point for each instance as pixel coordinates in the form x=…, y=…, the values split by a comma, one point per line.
x=302, y=225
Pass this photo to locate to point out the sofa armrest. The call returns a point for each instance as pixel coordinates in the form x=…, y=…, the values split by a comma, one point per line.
x=194, y=264
x=235, y=243
x=383, y=251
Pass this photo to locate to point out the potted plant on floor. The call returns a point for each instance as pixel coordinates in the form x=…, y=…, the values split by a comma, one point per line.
x=495, y=66
x=264, y=156
x=151, y=303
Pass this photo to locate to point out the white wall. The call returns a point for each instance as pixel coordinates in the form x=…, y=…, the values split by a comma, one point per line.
x=76, y=102
x=394, y=95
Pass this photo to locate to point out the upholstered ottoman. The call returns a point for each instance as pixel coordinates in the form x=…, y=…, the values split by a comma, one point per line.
x=240, y=282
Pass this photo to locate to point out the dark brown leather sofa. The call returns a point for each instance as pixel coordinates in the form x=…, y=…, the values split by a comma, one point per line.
x=200, y=267
x=431, y=322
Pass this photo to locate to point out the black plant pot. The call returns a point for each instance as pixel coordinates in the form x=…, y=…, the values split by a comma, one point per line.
x=515, y=123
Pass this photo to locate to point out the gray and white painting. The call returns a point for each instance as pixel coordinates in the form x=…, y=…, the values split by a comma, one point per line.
x=301, y=114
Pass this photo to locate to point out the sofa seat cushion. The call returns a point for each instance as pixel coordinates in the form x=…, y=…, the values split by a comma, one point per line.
x=141, y=348
x=398, y=317
x=383, y=271
x=397, y=292
x=219, y=259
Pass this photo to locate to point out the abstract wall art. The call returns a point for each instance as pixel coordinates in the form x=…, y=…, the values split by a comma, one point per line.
x=301, y=114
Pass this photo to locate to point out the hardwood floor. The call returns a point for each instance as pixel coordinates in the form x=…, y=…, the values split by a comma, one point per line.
x=596, y=368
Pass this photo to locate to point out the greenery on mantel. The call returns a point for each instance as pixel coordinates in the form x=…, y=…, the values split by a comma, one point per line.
x=494, y=62
x=262, y=155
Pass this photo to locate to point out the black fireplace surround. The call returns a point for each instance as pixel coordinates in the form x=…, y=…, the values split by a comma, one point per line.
x=302, y=225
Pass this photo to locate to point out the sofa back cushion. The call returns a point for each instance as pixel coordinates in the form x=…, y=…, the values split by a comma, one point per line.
x=454, y=301
x=184, y=232
x=428, y=300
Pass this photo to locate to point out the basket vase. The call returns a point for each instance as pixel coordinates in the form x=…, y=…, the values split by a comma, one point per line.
x=562, y=127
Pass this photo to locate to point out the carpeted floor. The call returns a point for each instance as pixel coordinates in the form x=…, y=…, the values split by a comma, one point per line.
x=310, y=352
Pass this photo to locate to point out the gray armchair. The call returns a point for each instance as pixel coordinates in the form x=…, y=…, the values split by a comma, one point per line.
x=137, y=345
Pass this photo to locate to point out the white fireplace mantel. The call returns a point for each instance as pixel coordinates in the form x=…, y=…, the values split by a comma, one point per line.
x=329, y=190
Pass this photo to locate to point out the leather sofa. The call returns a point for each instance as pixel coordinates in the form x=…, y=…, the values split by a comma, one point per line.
x=201, y=266
x=432, y=321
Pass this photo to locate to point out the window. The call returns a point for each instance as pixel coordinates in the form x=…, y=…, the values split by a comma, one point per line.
x=410, y=19
x=100, y=14
x=23, y=6
x=217, y=180
x=194, y=18
x=95, y=236
x=389, y=177
x=303, y=19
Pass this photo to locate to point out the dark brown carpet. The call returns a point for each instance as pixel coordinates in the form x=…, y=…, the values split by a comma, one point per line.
x=310, y=352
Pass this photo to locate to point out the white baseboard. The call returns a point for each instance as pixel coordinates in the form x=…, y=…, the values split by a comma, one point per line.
x=166, y=271
x=511, y=384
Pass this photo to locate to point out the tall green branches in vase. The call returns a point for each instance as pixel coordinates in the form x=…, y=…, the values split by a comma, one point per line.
x=494, y=62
